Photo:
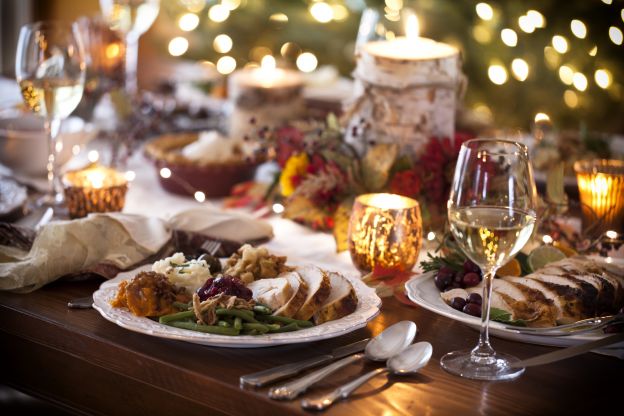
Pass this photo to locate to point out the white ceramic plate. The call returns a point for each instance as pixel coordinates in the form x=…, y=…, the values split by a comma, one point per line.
x=422, y=291
x=367, y=309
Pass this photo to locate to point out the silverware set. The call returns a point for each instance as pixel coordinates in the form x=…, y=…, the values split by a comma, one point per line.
x=393, y=345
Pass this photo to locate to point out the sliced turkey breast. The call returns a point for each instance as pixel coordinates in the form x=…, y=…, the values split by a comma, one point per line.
x=319, y=288
x=342, y=300
x=300, y=294
x=274, y=293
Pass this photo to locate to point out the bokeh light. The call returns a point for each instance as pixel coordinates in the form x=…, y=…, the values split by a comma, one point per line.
x=226, y=65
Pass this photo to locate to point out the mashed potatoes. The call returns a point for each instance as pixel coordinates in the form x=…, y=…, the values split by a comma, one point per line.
x=190, y=274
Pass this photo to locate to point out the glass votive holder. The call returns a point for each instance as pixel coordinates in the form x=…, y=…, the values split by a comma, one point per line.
x=385, y=230
x=94, y=189
x=601, y=191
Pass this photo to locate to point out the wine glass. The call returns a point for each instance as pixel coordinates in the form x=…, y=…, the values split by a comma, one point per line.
x=131, y=18
x=50, y=69
x=491, y=211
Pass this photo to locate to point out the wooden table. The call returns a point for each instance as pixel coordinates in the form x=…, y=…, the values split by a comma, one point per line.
x=79, y=360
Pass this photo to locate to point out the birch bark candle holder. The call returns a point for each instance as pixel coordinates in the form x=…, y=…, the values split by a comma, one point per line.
x=263, y=97
x=405, y=91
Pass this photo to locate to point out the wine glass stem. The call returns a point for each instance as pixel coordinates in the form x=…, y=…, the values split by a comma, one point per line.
x=132, y=59
x=483, y=353
x=55, y=189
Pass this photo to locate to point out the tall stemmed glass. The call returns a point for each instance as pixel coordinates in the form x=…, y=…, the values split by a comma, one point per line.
x=50, y=69
x=131, y=18
x=491, y=211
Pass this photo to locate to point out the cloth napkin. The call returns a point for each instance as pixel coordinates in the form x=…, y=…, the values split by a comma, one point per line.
x=109, y=243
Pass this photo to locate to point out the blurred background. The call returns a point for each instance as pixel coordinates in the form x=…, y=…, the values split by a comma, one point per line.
x=552, y=58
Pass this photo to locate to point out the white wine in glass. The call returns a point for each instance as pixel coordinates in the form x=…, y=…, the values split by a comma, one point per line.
x=131, y=18
x=50, y=69
x=491, y=211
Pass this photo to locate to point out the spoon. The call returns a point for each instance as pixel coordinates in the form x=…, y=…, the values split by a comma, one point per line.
x=409, y=361
x=388, y=343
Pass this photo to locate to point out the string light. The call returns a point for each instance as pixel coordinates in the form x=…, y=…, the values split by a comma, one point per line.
x=603, y=78
x=340, y=12
x=497, y=74
x=536, y=19
x=578, y=29
x=226, y=65
x=278, y=208
x=509, y=37
x=165, y=173
x=579, y=81
x=482, y=34
x=178, y=46
x=560, y=43
x=520, y=69
x=307, y=62
x=607, y=1
x=322, y=12
x=526, y=24
x=222, y=43
x=593, y=51
x=278, y=17
x=231, y=4
x=570, y=98
x=75, y=149
x=611, y=234
x=540, y=117
x=484, y=11
x=130, y=175
x=430, y=236
x=547, y=239
x=552, y=57
x=566, y=74
x=615, y=34
x=93, y=156
x=218, y=13
x=199, y=196
x=188, y=22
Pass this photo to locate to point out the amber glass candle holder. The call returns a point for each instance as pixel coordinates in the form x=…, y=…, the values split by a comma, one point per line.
x=94, y=189
x=601, y=191
x=385, y=230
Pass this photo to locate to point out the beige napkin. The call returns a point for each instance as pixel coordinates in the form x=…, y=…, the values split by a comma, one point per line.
x=114, y=241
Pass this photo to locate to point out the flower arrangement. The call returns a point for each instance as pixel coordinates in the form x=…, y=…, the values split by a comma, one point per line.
x=321, y=173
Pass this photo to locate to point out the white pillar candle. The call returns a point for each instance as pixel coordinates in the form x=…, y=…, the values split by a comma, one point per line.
x=405, y=92
x=267, y=95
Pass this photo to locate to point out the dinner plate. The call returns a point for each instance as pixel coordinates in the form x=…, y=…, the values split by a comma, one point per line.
x=367, y=309
x=422, y=291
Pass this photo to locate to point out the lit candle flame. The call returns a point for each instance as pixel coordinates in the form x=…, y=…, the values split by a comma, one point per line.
x=412, y=27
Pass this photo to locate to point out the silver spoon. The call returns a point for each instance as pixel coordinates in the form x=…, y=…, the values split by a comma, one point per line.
x=388, y=343
x=409, y=361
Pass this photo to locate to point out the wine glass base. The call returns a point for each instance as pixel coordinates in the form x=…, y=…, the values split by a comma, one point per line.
x=461, y=363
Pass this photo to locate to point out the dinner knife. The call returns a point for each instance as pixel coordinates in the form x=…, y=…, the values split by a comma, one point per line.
x=562, y=354
x=264, y=377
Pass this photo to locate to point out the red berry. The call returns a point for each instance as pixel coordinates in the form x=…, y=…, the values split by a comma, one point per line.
x=471, y=279
x=473, y=309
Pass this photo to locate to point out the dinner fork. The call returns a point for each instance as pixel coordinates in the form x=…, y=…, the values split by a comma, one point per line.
x=578, y=327
x=211, y=246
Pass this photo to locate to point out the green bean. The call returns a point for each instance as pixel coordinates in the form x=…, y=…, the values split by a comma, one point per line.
x=211, y=329
x=261, y=328
x=224, y=324
x=176, y=317
x=286, y=328
x=262, y=310
x=250, y=332
x=284, y=320
x=245, y=315
x=181, y=305
x=238, y=323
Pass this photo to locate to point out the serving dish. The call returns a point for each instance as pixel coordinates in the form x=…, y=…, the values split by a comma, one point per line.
x=367, y=309
x=422, y=291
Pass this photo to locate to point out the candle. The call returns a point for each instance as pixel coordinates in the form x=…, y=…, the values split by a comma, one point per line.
x=267, y=95
x=385, y=230
x=405, y=91
x=601, y=191
x=94, y=189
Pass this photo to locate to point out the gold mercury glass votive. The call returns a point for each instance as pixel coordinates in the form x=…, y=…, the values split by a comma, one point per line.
x=385, y=230
x=601, y=191
x=94, y=189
